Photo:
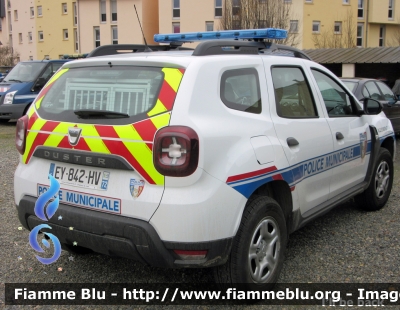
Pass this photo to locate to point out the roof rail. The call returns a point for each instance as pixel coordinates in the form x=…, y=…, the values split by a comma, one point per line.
x=235, y=47
x=113, y=49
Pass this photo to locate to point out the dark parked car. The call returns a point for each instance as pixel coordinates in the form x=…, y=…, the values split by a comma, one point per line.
x=378, y=90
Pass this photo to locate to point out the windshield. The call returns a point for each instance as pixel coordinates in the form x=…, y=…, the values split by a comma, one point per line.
x=25, y=72
x=108, y=92
x=350, y=85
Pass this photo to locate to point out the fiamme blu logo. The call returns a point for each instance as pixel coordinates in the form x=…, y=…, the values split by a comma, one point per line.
x=44, y=206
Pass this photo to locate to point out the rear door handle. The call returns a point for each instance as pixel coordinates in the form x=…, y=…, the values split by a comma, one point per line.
x=292, y=141
x=339, y=136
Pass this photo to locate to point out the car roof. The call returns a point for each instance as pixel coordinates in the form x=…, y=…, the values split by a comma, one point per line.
x=46, y=60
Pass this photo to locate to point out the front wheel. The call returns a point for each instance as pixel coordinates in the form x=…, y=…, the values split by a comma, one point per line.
x=257, y=253
x=377, y=194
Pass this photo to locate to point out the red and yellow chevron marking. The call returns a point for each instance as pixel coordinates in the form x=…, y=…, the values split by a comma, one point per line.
x=134, y=142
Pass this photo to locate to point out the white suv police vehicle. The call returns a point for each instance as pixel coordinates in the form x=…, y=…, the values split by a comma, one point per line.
x=201, y=158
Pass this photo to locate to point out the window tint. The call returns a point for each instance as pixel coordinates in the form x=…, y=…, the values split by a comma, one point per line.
x=240, y=90
x=372, y=91
x=386, y=91
x=292, y=93
x=336, y=100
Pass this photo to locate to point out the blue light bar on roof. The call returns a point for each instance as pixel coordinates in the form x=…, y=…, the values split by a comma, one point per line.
x=267, y=33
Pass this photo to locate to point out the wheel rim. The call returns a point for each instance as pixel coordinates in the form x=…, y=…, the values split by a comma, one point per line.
x=264, y=250
x=382, y=177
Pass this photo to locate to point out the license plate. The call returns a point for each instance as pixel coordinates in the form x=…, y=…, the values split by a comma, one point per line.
x=80, y=176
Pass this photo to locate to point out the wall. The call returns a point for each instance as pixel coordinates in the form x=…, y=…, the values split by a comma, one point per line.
x=128, y=26
x=23, y=25
x=327, y=12
x=52, y=23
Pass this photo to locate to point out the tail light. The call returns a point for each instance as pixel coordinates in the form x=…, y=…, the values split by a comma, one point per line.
x=191, y=255
x=20, y=134
x=176, y=151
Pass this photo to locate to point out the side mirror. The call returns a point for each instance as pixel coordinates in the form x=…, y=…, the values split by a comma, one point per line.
x=371, y=106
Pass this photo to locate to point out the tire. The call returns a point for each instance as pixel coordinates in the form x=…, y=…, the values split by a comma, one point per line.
x=258, y=248
x=377, y=194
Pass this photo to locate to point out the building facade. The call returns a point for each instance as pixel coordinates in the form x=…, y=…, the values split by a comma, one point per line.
x=314, y=23
x=115, y=21
x=38, y=29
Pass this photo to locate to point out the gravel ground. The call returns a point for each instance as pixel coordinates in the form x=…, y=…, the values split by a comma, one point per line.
x=346, y=245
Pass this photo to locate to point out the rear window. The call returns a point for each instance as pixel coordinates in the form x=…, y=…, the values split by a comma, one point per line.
x=117, y=94
x=350, y=85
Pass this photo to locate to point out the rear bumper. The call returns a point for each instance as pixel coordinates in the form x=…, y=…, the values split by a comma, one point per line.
x=121, y=236
x=12, y=111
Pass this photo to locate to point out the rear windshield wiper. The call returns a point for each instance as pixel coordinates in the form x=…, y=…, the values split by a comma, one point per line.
x=100, y=114
x=13, y=80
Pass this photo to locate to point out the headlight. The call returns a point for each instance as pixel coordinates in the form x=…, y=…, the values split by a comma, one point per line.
x=8, y=99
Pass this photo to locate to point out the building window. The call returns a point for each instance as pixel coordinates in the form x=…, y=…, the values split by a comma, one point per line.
x=30, y=38
x=338, y=28
x=382, y=36
x=390, y=13
x=30, y=57
x=176, y=27
x=235, y=7
x=209, y=26
x=218, y=8
x=15, y=15
x=114, y=35
x=39, y=10
x=96, y=36
x=288, y=1
x=346, y=1
x=75, y=14
x=103, y=16
x=32, y=10
x=9, y=22
x=40, y=36
x=294, y=26
x=360, y=12
x=360, y=33
x=64, y=8
x=76, y=40
x=20, y=37
x=316, y=26
x=308, y=1
x=114, y=11
x=176, y=9
x=65, y=34
x=47, y=57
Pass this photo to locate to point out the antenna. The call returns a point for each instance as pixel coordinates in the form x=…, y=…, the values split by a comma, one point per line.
x=147, y=49
x=49, y=54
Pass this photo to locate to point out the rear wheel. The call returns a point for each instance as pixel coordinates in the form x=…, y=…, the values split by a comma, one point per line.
x=257, y=253
x=377, y=194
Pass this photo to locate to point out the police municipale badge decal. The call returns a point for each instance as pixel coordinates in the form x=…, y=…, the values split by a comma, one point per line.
x=136, y=187
x=363, y=145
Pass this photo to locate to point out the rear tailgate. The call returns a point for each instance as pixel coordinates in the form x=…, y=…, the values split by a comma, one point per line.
x=103, y=167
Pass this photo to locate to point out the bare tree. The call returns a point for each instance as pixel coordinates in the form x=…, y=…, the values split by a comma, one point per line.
x=7, y=56
x=346, y=38
x=255, y=14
